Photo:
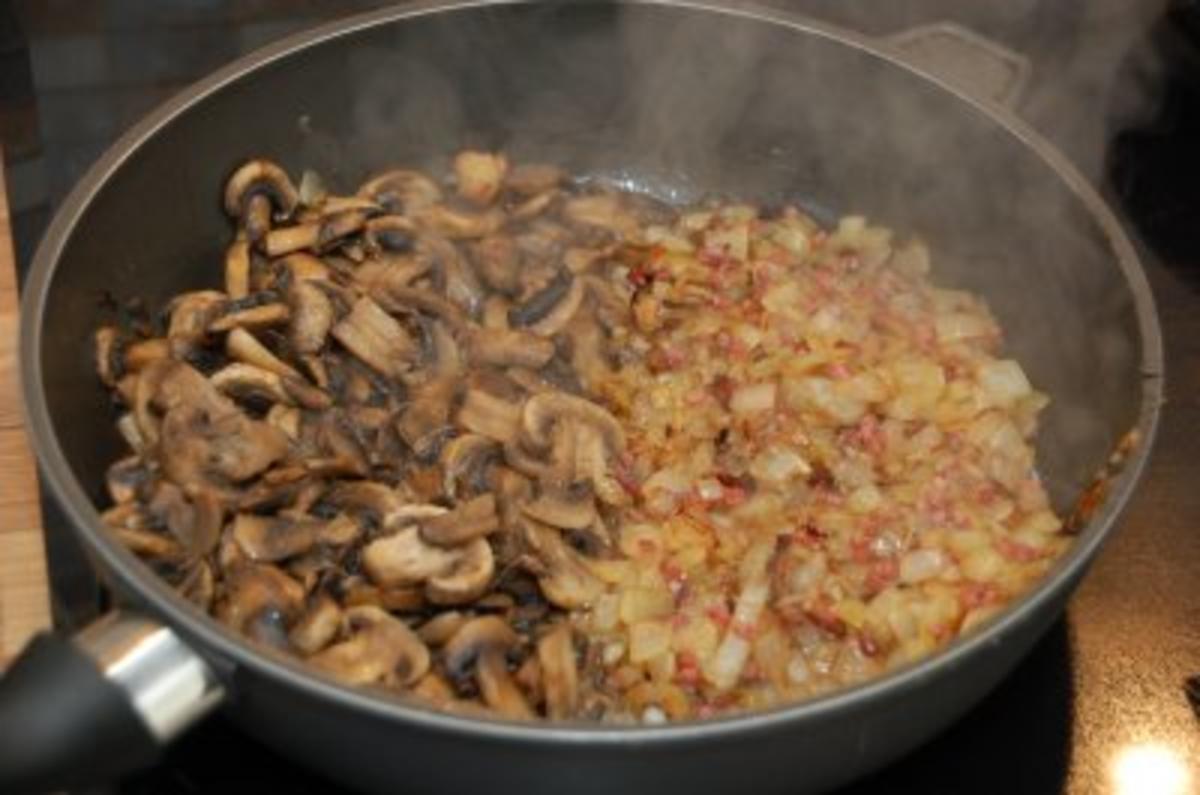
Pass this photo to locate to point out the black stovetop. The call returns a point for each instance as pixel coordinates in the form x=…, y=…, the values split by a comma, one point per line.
x=1100, y=705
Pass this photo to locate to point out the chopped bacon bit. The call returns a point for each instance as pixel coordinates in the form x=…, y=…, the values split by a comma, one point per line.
x=1018, y=552
x=882, y=574
x=719, y=614
x=743, y=630
x=868, y=645
x=722, y=388
x=822, y=616
x=977, y=594
x=837, y=371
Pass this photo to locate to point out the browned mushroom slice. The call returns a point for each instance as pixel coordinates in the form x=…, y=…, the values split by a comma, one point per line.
x=344, y=452
x=126, y=477
x=190, y=315
x=390, y=233
x=401, y=191
x=484, y=643
x=495, y=312
x=484, y=413
x=403, y=558
x=479, y=175
x=470, y=520
x=468, y=578
x=425, y=421
x=593, y=461
x=312, y=317
x=245, y=347
x=510, y=348
x=528, y=179
x=406, y=299
x=237, y=269
x=542, y=412
x=565, y=579
x=198, y=585
x=109, y=364
x=381, y=650
x=375, y=338
x=197, y=443
x=378, y=501
x=457, y=225
x=513, y=490
x=258, y=193
x=466, y=461
x=260, y=316
x=498, y=263
x=274, y=538
x=319, y=625
x=560, y=674
x=570, y=508
x=254, y=588
x=315, y=235
x=439, y=629
x=246, y=382
x=194, y=522
x=435, y=690
x=143, y=353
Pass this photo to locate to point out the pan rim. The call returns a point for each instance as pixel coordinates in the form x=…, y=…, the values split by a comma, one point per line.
x=213, y=640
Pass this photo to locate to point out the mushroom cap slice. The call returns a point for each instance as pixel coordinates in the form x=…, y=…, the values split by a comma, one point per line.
x=245, y=347
x=494, y=417
x=545, y=410
x=565, y=579
x=560, y=674
x=509, y=348
x=237, y=269
x=274, y=538
x=252, y=588
x=403, y=558
x=376, y=338
x=473, y=519
x=381, y=650
x=401, y=191
x=318, y=626
x=468, y=577
x=570, y=508
x=466, y=461
x=463, y=648
x=260, y=177
x=312, y=317
x=499, y=690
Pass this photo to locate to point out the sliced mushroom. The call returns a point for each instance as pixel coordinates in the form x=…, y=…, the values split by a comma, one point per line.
x=303, y=267
x=197, y=445
x=457, y=225
x=254, y=588
x=565, y=578
x=190, y=315
x=318, y=626
x=510, y=348
x=237, y=269
x=484, y=643
x=484, y=413
x=377, y=500
x=375, y=338
x=542, y=412
x=498, y=262
x=407, y=299
x=198, y=585
x=143, y=353
x=569, y=508
x=317, y=235
x=403, y=558
x=246, y=382
x=439, y=629
x=274, y=538
x=194, y=521
x=312, y=317
x=427, y=417
x=534, y=205
x=126, y=477
x=260, y=316
x=390, y=233
x=473, y=519
x=245, y=347
x=109, y=365
x=593, y=462
x=259, y=179
x=560, y=674
x=468, y=577
x=380, y=650
x=465, y=461
x=550, y=309
x=400, y=191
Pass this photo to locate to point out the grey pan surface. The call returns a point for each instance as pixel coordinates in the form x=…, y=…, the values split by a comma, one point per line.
x=683, y=99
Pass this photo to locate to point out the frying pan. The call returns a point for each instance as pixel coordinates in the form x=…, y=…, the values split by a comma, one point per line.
x=680, y=99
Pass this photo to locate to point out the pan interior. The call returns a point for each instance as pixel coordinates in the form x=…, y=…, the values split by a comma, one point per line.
x=682, y=104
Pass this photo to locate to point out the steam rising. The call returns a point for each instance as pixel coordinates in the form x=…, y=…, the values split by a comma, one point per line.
x=682, y=105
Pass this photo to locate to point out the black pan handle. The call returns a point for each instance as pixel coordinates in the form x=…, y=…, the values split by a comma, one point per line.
x=85, y=710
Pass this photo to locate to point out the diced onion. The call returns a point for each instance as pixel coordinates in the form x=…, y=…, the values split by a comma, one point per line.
x=753, y=398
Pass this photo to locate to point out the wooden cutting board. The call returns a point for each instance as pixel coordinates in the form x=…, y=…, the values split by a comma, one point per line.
x=24, y=589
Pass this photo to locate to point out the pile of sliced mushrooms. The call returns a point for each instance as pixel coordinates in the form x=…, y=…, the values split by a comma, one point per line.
x=376, y=447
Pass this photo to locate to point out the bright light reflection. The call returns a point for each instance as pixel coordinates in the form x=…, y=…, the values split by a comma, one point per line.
x=1150, y=769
